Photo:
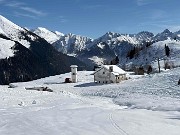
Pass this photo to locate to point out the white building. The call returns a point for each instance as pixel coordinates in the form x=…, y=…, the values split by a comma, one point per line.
x=74, y=73
x=109, y=74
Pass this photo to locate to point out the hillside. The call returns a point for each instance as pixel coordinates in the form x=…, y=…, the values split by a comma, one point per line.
x=29, y=56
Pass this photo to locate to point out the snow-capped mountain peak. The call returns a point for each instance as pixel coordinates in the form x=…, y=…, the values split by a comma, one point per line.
x=144, y=36
x=49, y=36
x=14, y=32
x=71, y=43
x=166, y=31
x=166, y=34
x=7, y=27
x=59, y=33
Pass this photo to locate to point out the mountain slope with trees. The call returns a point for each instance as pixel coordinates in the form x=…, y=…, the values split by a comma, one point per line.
x=33, y=57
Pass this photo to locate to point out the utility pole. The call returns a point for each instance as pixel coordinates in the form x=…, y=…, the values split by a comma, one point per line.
x=159, y=65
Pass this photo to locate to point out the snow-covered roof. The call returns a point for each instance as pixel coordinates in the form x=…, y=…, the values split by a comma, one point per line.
x=73, y=66
x=116, y=69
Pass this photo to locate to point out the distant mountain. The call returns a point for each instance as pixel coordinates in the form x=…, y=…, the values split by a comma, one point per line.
x=166, y=34
x=72, y=44
x=144, y=36
x=49, y=36
x=97, y=54
x=25, y=56
x=105, y=48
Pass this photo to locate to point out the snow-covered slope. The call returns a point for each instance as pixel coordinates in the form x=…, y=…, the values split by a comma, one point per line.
x=149, y=55
x=92, y=109
x=49, y=36
x=14, y=31
x=59, y=33
x=6, y=48
x=8, y=27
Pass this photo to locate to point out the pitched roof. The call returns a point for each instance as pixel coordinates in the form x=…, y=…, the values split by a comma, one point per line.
x=116, y=69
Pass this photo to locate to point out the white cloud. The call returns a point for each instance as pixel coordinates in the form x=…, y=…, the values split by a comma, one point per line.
x=34, y=11
x=24, y=15
x=62, y=19
x=158, y=14
x=143, y=2
x=1, y=1
x=15, y=4
x=92, y=6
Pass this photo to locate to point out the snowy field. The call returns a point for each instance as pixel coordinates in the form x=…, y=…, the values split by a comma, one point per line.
x=143, y=105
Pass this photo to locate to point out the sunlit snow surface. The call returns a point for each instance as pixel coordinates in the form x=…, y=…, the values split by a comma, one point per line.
x=144, y=105
x=49, y=36
x=13, y=31
x=6, y=50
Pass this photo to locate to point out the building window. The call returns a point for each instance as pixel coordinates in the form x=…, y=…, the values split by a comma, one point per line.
x=106, y=81
x=99, y=82
x=103, y=72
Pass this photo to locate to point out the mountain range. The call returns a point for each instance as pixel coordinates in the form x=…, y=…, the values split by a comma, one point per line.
x=31, y=54
x=25, y=56
x=105, y=48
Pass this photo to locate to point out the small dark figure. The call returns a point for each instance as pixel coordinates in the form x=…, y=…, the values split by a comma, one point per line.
x=179, y=82
x=149, y=69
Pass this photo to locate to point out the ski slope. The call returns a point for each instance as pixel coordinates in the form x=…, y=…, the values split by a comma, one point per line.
x=141, y=105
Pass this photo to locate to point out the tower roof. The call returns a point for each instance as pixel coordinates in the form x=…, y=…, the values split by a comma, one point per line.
x=73, y=66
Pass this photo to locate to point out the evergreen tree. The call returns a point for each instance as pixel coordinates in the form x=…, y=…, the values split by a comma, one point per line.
x=117, y=60
x=167, y=50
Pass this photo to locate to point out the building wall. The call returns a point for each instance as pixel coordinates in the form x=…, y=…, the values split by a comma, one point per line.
x=74, y=74
x=104, y=76
x=120, y=78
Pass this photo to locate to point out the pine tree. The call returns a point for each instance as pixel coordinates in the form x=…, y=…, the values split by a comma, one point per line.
x=167, y=50
x=117, y=60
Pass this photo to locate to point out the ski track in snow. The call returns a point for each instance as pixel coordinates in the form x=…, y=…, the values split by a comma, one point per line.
x=116, y=126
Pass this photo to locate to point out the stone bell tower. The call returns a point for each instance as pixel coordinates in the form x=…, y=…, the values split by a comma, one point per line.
x=74, y=73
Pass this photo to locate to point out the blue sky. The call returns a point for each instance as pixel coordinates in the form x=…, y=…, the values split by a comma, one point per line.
x=93, y=18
